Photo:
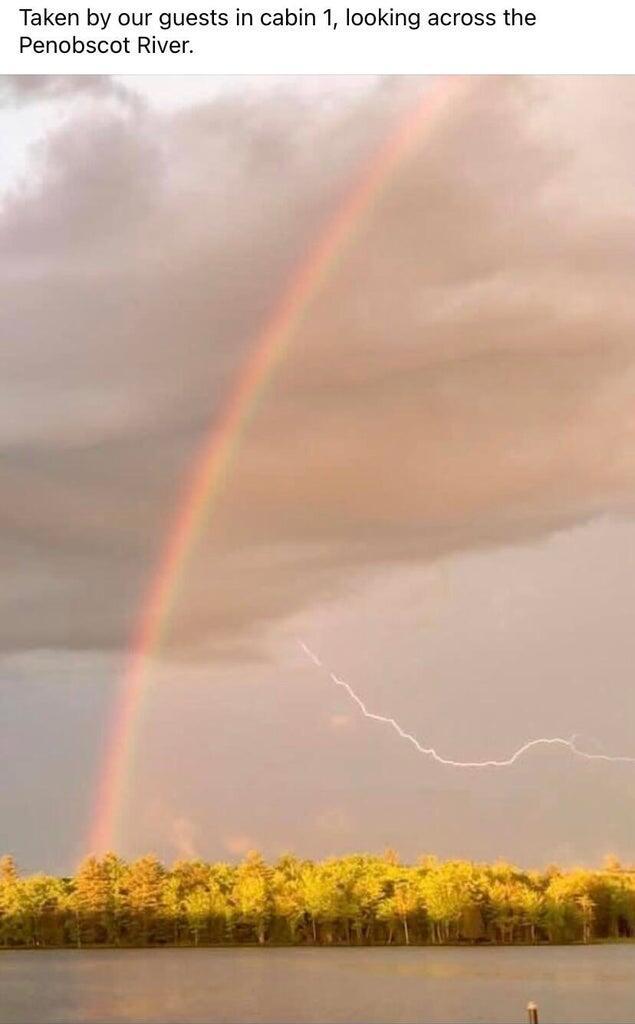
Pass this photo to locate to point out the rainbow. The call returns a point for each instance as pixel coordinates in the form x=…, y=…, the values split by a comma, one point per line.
x=210, y=467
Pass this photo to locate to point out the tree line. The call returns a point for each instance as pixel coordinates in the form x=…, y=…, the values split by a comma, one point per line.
x=361, y=899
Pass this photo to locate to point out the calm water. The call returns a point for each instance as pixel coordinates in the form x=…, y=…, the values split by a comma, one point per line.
x=576, y=984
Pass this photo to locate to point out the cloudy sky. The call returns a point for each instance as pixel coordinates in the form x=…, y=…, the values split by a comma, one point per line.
x=436, y=492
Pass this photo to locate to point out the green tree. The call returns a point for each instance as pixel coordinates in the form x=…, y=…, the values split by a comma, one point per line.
x=402, y=902
x=197, y=910
x=321, y=899
x=41, y=900
x=252, y=894
x=11, y=923
x=172, y=899
x=142, y=886
x=447, y=891
x=359, y=898
x=287, y=895
x=90, y=896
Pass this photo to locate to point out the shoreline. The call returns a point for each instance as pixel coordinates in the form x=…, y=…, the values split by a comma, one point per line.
x=327, y=947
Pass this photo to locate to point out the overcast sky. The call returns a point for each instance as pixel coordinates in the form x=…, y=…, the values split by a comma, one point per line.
x=436, y=492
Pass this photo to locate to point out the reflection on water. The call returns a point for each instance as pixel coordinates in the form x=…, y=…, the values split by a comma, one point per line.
x=570, y=984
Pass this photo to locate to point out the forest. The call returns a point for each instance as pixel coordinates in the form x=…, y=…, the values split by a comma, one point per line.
x=361, y=899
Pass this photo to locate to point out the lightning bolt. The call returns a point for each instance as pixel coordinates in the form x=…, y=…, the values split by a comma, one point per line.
x=541, y=741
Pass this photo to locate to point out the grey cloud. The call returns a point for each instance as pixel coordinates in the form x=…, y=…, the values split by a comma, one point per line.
x=19, y=89
x=461, y=380
x=460, y=389
x=138, y=263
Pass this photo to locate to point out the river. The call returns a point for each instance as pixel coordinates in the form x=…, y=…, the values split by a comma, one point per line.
x=234, y=986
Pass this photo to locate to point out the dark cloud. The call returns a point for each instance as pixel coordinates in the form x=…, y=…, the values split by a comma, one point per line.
x=19, y=89
x=139, y=262
x=462, y=380
x=410, y=489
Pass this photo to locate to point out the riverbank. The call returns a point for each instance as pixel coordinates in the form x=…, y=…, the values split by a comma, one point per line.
x=360, y=900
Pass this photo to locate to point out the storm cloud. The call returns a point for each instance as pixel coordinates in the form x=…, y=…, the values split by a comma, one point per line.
x=456, y=404
x=463, y=379
x=18, y=89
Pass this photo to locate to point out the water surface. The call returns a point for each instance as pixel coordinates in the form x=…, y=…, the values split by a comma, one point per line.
x=278, y=986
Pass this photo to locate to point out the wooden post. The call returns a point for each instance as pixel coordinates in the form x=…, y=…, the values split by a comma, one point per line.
x=532, y=1013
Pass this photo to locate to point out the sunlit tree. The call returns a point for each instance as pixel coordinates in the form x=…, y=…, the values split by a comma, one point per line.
x=252, y=895
x=360, y=898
